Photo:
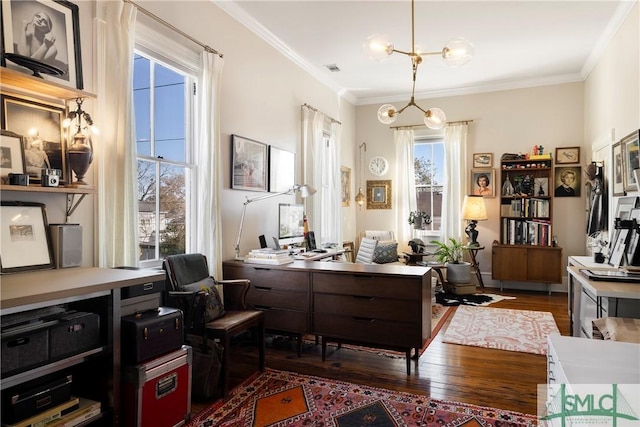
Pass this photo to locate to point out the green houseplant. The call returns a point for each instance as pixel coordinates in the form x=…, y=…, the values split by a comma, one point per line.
x=450, y=253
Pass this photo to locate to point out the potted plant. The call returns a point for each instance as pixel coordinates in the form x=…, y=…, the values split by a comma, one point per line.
x=419, y=219
x=450, y=253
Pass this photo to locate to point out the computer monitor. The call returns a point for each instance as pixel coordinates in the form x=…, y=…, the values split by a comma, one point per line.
x=290, y=224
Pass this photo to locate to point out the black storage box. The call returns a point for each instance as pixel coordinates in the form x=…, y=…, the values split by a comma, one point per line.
x=76, y=332
x=151, y=333
x=24, y=347
x=28, y=399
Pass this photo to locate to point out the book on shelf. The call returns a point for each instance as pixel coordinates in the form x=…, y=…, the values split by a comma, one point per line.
x=45, y=417
x=87, y=410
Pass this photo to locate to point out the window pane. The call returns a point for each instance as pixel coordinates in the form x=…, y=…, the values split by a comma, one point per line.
x=172, y=210
x=142, y=104
x=147, y=225
x=169, y=121
x=429, y=167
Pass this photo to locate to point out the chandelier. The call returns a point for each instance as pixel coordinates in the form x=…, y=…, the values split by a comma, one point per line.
x=455, y=53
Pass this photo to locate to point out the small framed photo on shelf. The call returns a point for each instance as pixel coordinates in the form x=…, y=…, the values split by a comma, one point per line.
x=379, y=194
x=24, y=237
x=248, y=164
x=630, y=160
x=11, y=154
x=482, y=160
x=282, y=169
x=567, y=155
x=618, y=170
x=483, y=182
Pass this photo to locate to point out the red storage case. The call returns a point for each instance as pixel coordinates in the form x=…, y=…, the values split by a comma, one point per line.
x=158, y=392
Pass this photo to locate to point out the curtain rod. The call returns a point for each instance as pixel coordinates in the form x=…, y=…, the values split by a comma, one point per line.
x=466, y=122
x=177, y=30
x=316, y=110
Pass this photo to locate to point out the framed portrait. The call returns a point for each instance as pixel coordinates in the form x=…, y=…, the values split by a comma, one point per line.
x=483, y=182
x=248, y=164
x=59, y=33
x=11, y=154
x=282, y=169
x=379, y=194
x=24, y=237
x=482, y=160
x=567, y=181
x=43, y=137
x=618, y=170
x=630, y=160
x=567, y=155
x=345, y=185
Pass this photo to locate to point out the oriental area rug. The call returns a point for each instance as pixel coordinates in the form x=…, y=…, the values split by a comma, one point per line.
x=280, y=398
x=500, y=328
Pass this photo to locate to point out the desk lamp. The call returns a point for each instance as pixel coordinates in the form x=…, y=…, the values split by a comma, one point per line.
x=304, y=190
x=473, y=210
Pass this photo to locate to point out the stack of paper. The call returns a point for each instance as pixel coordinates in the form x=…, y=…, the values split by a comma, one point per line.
x=268, y=256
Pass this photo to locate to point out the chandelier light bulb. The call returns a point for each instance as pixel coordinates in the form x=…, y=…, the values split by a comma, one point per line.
x=435, y=118
x=387, y=114
x=378, y=47
x=457, y=52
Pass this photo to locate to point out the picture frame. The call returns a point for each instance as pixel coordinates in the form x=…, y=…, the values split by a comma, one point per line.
x=65, y=27
x=633, y=246
x=379, y=194
x=619, y=248
x=630, y=159
x=567, y=181
x=567, y=155
x=282, y=169
x=24, y=237
x=482, y=160
x=345, y=184
x=488, y=190
x=11, y=154
x=618, y=170
x=47, y=148
x=248, y=164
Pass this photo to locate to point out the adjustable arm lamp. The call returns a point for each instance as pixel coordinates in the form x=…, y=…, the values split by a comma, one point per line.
x=474, y=210
x=304, y=190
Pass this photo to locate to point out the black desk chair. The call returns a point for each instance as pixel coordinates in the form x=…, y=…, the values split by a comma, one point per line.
x=191, y=269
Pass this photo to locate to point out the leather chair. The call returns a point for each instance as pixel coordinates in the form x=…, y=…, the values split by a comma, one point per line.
x=185, y=269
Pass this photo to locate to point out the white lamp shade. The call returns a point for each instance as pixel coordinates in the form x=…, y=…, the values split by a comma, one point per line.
x=378, y=47
x=474, y=209
x=387, y=114
x=307, y=191
x=435, y=118
x=457, y=52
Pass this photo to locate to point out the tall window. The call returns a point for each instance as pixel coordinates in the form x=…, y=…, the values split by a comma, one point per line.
x=163, y=101
x=429, y=170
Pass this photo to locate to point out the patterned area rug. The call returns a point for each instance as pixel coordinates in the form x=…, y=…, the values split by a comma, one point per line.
x=503, y=329
x=279, y=398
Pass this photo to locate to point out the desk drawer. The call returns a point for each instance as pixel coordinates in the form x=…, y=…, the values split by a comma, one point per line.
x=275, y=298
x=361, y=306
x=269, y=277
x=367, y=330
x=376, y=285
x=277, y=319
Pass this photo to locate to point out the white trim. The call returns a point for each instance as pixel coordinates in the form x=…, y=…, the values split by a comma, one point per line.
x=160, y=45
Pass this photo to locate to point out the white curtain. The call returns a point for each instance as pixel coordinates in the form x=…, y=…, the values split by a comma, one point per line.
x=405, y=200
x=455, y=146
x=207, y=150
x=117, y=233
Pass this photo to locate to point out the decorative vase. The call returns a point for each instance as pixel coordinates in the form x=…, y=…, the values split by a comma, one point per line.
x=417, y=223
x=80, y=156
x=598, y=257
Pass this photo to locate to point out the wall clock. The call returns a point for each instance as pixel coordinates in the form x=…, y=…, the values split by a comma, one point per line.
x=378, y=166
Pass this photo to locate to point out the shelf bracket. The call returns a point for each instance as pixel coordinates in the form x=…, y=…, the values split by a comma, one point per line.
x=72, y=204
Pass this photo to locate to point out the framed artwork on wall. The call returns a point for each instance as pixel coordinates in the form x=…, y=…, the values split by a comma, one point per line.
x=630, y=160
x=618, y=170
x=482, y=160
x=483, y=182
x=567, y=181
x=60, y=35
x=379, y=194
x=248, y=164
x=345, y=184
x=41, y=126
x=11, y=154
x=567, y=155
x=282, y=169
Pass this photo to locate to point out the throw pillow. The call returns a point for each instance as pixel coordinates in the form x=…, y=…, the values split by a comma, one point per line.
x=213, y=304
x=386, y=252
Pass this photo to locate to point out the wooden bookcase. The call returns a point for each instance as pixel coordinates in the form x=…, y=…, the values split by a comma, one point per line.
x=526, y=252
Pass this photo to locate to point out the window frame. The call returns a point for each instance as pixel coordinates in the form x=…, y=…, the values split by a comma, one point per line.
x=430, y=139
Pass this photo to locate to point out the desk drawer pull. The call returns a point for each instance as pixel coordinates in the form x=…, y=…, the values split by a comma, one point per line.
x=363, y=277
x=363, y=297
x=262, y=288
x=364, y=319
x=262, y=307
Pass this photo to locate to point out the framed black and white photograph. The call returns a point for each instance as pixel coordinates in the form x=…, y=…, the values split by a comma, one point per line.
x=379, y=194
x=619, y=247
x=345, y=185
x=630, y=160
x=282, y=169
x=482, y=160
x=618, y=170
x=24, y=239
x=43, y=37
x=633, y=247
x=248, y=164
x=43, y=137
x=567, y=155
x=11, y=154
x=567, y=181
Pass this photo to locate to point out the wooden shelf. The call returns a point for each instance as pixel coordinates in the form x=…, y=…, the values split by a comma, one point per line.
x=22, y=83
x=86, y=189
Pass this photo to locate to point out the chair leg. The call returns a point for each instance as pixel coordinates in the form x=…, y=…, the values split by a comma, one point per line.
x=226, y=358
x=261, y=346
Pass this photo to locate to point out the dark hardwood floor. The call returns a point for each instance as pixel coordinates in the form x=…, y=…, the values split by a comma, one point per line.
x=479, y=376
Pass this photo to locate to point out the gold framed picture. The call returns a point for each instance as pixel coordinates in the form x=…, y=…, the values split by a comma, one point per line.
x=482, y=160
x=483, y=182
x=379, y=194
x=567, y=155
x=345, y=183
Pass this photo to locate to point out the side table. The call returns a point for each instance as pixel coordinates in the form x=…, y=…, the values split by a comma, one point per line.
x=475, y=265
x=414, y=258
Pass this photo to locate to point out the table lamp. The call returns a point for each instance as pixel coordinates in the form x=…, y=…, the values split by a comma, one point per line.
x=473, y=210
